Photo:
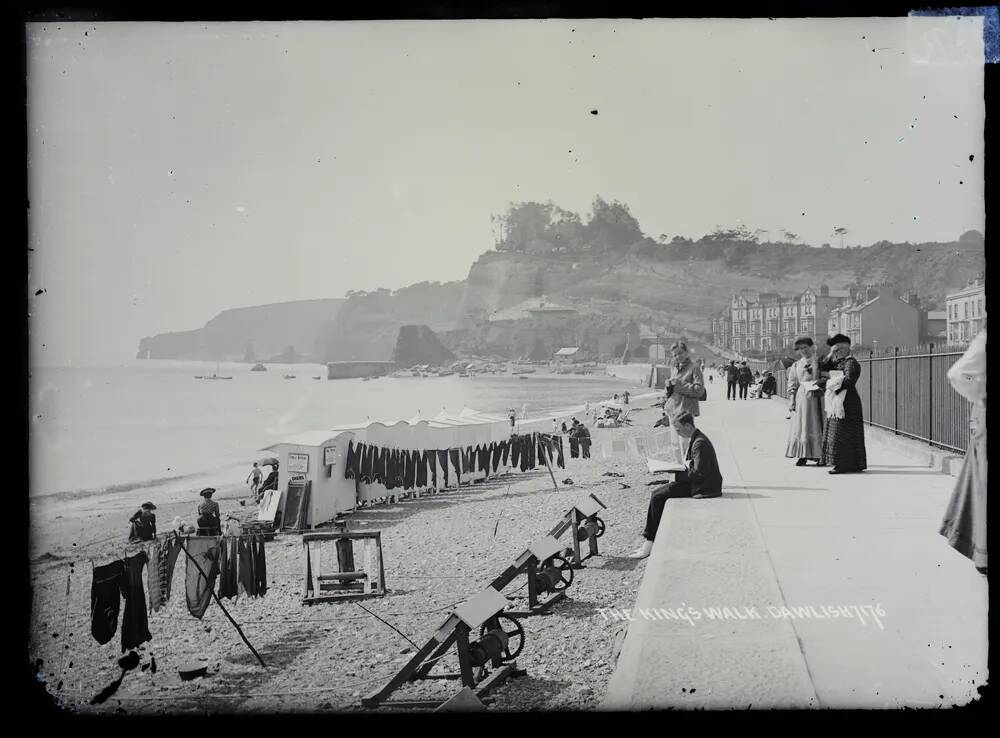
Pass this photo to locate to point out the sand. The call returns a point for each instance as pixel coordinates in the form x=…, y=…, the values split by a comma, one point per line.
x=439, y=550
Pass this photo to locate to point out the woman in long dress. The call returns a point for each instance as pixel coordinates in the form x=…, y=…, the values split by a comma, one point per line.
x=805, y=434
x=964, y=523
x=844, y=438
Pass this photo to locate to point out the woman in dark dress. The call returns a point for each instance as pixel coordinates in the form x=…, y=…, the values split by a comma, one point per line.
x=844, y=438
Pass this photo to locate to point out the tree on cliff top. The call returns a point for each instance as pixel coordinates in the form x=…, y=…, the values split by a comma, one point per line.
x=611, y=227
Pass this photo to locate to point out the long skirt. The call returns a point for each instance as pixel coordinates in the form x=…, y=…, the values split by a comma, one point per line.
x=964, y=523
x=844, y=438
x=805, y=432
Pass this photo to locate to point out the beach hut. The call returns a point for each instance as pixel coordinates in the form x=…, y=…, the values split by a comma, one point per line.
x=313, y=463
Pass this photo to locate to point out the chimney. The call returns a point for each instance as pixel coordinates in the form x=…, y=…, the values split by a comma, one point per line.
x=824, y=291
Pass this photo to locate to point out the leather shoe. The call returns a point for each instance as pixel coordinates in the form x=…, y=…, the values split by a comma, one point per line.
x=800, y=462
x=706, y=496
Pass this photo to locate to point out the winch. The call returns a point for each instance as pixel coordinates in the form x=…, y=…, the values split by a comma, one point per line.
x=547, y=572
x=583, y=520
x=501, y=639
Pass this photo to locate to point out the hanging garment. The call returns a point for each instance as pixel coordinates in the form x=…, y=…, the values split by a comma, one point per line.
x=467, y=456
x=420, y=462
x=202, y=569
x=515, y=451
x=495, y=456
x=484, y=459
x=105, y=600
x=505, y=451
x=228, y=563
x=246, y=579
x=349, y=464
x=430, y=461
x=409, y=470
x=381, y=465
x=135, y=625
x=456, y=461
x=156, y=550
x=260, y=565
x=167, y=567
x=442, y=457
x=390, y=469
x=560, y=459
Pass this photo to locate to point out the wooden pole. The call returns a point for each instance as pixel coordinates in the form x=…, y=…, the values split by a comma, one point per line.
x=224, y=610
x=545, y=458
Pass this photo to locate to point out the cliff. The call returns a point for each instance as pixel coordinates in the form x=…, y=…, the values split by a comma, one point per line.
x=417, y=344
x=678, y=286
x=260, y=331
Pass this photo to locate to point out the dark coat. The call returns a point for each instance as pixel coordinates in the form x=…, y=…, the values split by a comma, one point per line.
x=745, y=376
x=704, y=474
x=732, y=372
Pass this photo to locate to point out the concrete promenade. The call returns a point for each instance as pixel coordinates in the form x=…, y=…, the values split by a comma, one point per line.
x=815, y=544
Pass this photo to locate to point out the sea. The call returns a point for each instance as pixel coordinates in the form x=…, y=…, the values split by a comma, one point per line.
x=108, y=428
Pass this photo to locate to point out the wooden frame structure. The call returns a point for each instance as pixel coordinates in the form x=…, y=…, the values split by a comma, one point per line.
x=347, y=582
x=485, y=612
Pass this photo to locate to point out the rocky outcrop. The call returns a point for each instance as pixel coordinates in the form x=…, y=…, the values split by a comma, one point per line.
x=418, y=344
x=269, y=329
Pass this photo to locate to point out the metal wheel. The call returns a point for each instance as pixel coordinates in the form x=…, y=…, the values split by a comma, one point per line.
x=565, y=572
x=514, y=633
x=600, y=527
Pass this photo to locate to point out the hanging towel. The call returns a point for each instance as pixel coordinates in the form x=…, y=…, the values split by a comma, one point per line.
x=204, y=553
x=260, y=565
x=246, y=578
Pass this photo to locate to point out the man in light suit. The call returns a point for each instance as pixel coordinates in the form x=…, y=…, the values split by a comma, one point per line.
x=702, y=479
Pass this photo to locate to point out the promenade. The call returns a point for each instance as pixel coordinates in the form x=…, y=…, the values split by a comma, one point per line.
x=849, y=597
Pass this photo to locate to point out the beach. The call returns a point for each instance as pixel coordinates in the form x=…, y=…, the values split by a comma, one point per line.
x=438, y=549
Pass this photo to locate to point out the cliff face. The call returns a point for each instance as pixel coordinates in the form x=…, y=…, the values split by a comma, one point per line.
x=417, y=344
x=267, y=329
x=679, y=286
x=367, y=326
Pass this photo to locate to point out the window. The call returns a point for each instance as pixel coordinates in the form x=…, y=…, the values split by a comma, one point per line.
x=966, y=303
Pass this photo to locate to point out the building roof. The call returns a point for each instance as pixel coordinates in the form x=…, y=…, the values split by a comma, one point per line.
x=937, y=315
x=969, y=289
x=569, y=351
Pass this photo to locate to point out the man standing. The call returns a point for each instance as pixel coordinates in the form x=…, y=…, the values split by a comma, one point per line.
x=745, y=379
x=702, y=479
x=143, y=523
x=686, y=381
x=584, y=435
x=732, y=374
x=256, y=475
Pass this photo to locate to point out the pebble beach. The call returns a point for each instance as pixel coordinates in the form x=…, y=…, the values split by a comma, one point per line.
x=439, y=550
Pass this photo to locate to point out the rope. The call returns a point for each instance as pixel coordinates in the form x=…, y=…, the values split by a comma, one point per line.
x=389, y=624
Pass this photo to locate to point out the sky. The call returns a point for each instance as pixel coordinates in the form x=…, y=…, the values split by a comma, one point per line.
x=176, y=170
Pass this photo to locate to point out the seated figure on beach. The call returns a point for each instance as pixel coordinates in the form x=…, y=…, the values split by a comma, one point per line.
x=702, y=479
x=143, y=523
x=209, y=519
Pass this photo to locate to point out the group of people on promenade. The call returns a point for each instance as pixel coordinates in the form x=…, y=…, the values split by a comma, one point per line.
x=756, y=385
x=827, y=423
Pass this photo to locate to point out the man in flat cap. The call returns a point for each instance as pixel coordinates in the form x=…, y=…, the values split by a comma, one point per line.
x=143, y=523
x=209, y=519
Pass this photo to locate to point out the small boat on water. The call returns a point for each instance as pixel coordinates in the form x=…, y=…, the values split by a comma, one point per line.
x=258, y=367
x=317, y=377
x=198, y=376
x=288, y=376
x=445, y=373
x=216, y=376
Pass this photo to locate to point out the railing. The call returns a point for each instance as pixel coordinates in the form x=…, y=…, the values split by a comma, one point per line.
x=906, y=391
